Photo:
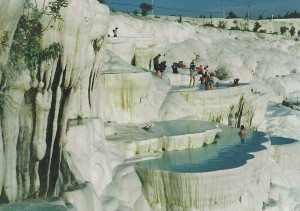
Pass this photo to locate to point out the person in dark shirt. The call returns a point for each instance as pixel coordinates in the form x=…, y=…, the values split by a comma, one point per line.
x=115, y=31
x=174, y=68
x=156, y=65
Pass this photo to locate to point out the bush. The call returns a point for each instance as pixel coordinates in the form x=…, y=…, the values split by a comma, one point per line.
x=256, y=26
x=222, y=73
x=145, y=8
x=286, y=103
x=292, y=31
x=209, y=24
x=180, y=19
x=283, y=29
x=222, y=24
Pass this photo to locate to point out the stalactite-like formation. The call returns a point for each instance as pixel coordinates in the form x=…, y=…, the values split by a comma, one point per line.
x=34, y=120
x=10, y=129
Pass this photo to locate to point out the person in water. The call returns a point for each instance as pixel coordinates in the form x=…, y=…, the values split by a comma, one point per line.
x=243, y=133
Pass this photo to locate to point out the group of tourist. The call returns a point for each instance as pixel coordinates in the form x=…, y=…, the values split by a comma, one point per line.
x=205, y=78
x=115, y=30
x=159, y=67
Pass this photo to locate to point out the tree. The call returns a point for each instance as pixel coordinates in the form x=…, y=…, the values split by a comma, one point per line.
x=231, y=15
x=292, y=31
x=256, y=26
x=283, y=29
x=145, y=8
x=135, y=12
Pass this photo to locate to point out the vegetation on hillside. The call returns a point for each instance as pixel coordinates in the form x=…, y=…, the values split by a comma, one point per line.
x=26, y=50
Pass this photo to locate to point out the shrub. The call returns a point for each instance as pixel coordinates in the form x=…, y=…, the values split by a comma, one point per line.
x=145, y=8
x=222, y=73
x=26, y=51
x=283, y=29
x=292, y=31
x=262, y=31
x=235, y=28
x=210, y=24
x=287, y=104
x=180, y=19
x=222, y=24
x=135, y=12
x=231, y=15
x=256, y=26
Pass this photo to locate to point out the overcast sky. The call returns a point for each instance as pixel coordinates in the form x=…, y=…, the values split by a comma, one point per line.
x=196, y=8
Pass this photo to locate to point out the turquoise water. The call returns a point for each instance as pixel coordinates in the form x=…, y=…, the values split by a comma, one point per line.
x=281, y=140
x=229, y=151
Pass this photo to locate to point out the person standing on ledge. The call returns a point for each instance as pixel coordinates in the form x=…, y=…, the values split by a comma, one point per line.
x=115, y=31
x=156, y=65
x=193, y=74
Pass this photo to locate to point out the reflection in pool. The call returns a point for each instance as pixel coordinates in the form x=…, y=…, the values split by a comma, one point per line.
x=229, y=151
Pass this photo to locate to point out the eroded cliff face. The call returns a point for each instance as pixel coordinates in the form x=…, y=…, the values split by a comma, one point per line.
x=36, y=106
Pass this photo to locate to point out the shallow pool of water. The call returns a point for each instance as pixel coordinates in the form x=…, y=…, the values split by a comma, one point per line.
x=201, y=87
x=229, y=151
x=281, y=140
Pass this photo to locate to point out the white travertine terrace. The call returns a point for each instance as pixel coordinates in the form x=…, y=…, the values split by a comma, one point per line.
x=93, y=84
x=185, y=134
x=243, y=188
x=225, y=105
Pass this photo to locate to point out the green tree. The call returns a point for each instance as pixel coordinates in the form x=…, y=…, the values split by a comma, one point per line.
x=231, y=15
x=292, y=31
x=283, y=29
x=26, y=45
x=145, y=8
x=135, y=12
x=256, y=26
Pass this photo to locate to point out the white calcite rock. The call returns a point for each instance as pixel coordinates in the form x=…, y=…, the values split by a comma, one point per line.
x=90, y=158
x=243, y=187
x=10, y=131
x=83, y=197
x=2, y=161
x=125, y=191
x=10, y=12
x=139, y=50
x=131, y=98
x=161, y=136
x=231, y=105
